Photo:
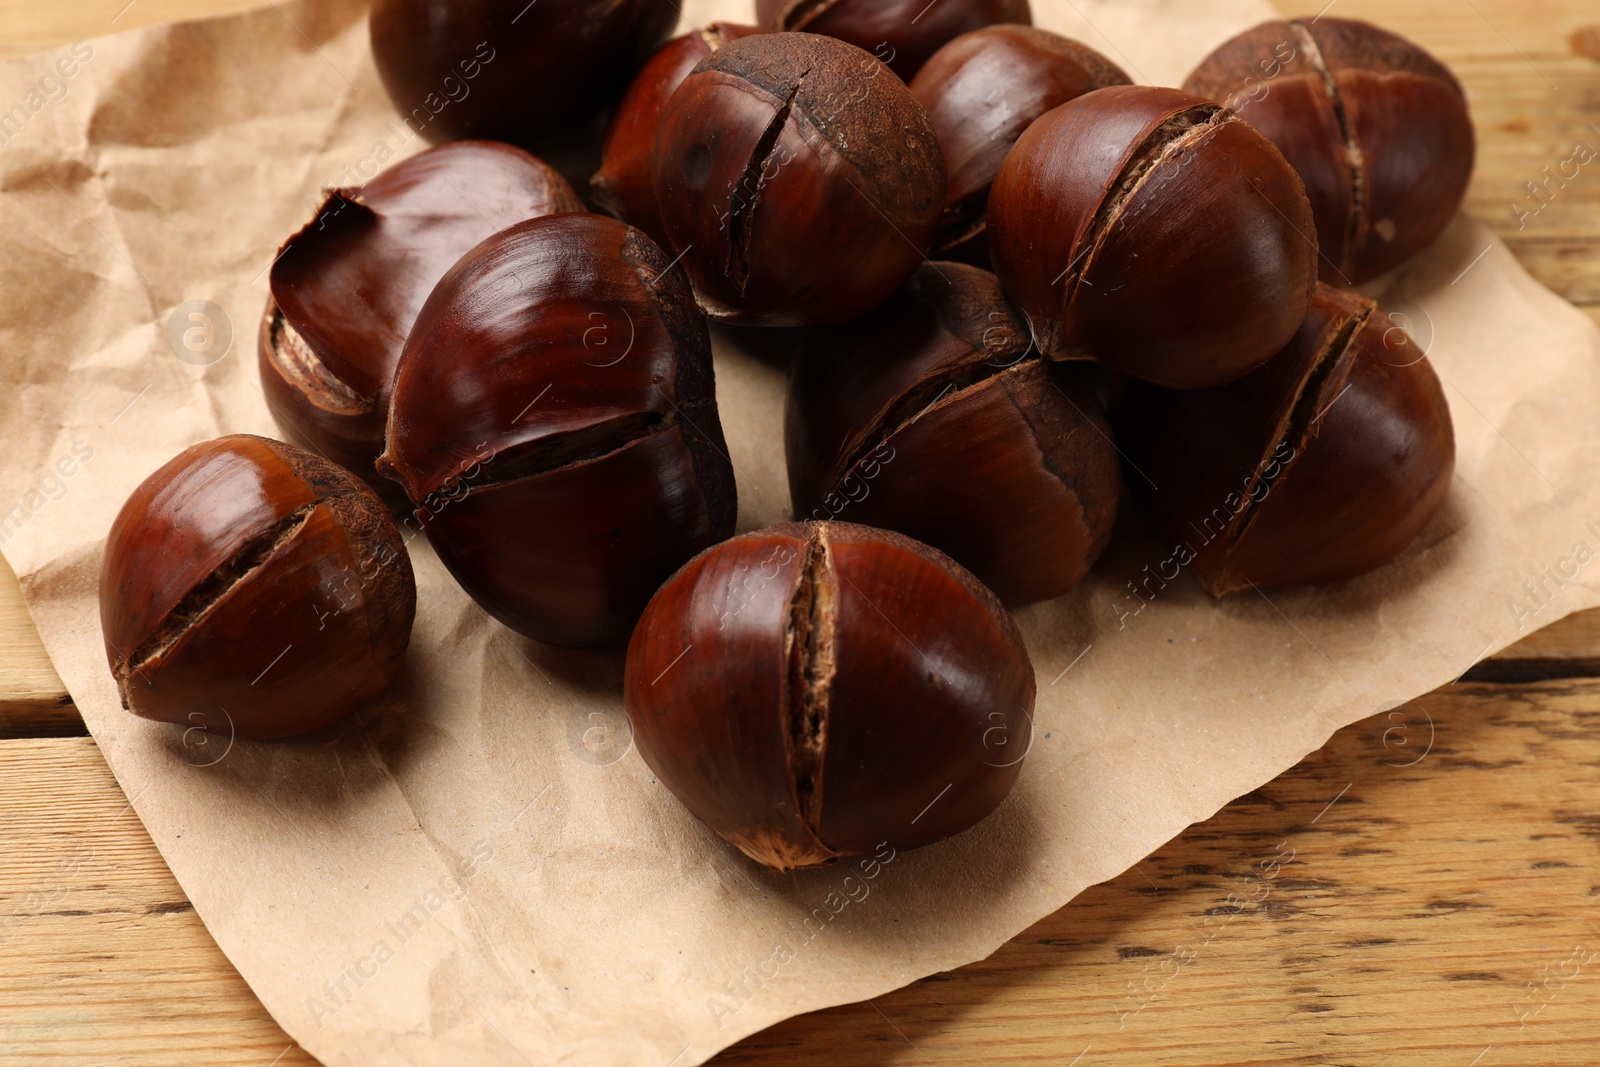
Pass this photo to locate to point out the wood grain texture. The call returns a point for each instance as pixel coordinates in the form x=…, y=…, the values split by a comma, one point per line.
x=1420, y=890
x=1442, y=911
x=33, y=702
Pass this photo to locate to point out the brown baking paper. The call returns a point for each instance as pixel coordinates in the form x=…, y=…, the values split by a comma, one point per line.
x=481, y=860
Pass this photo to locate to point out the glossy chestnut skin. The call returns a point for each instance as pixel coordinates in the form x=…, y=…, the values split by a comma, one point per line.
x=814, y=691
x=555, y=423
x=252, y=589
x=1378, y=129
x=624, y=185
x=508, y=70
x=348, y=286
x=936, y=417
x=799, y=179
x=1322, y=465
x=1155, y=232
x=902, y=33
x=982, y=90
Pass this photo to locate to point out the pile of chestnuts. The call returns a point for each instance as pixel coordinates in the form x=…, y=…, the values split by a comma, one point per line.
x=1012, y=277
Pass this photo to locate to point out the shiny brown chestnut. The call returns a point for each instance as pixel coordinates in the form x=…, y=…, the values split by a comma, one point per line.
x=555, y=422
x=982, y=90
x=902, y=33
x=347, y=287
x=509, y=70
x=1156, y=232
x=624, y=185
x=798, y=178
x=936, y=417
x=1322, y=465
x=1377, y=128
x=252, y=589
x=822, y=690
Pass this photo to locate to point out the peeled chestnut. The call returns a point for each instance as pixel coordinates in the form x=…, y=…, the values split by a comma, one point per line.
x=1322, y=465
x=799, y=180
x=814, y=691
x=982, y=90
x=623, y=185
x=347, y=287
x=555, y=423
x=935, y=416
x=510, y=70
x=1376, y=126
x=1155, y=232
x=253, y=589
x=902, y=33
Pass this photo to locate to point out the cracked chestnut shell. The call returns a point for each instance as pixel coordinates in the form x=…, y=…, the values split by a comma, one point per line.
x=934, y=416
x=902, y=33
x=555, y=423
x=1155, y=232
x=253, y=589
x=1322, y=465
x=813, y=691
x=982, y=90
x=347, y=287
x=799, y=179
x=624, y=185
x=510, y=70
x=1377, y=127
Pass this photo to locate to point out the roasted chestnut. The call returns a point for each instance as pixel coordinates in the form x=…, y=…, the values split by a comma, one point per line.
x=818, y=690
x=799, y=180
x=935, y=416
x=555, y=423
x=1320, y=466
x=902, y=33
x=1376, y=126
x=982, y=90
x=253, y=589
x=510, y=70
x=1155, y=232
x=623, y=185
x=347, y=287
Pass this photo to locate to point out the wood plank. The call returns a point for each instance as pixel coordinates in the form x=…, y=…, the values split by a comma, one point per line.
x=1395, y=896
x=33, y=701
x=103, y=959
x=1420, y=905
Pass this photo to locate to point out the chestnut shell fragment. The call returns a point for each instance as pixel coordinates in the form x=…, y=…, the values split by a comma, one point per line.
x=1155, y=232
x=510, y=70
x=624, y=185
x=347, y=287
x=1377, y=128
x=902, y=33
x=555, y=423
x=982, y=90
x=935, y=416
x=798, y=178
x=250, y=588
x=812, y=691
x=1322, y=465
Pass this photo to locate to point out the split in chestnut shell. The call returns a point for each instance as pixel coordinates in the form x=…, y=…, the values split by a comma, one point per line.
x=813, y=691
x=1377, y=128
x=347, y=288
x=252, y=589
x=799, y=179
x=1320, y=466
x=555, y=426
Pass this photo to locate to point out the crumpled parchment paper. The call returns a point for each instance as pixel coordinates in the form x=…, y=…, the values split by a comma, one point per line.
x=482, y=860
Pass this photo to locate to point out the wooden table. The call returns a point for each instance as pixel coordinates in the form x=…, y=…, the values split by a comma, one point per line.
x=1442, y=902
